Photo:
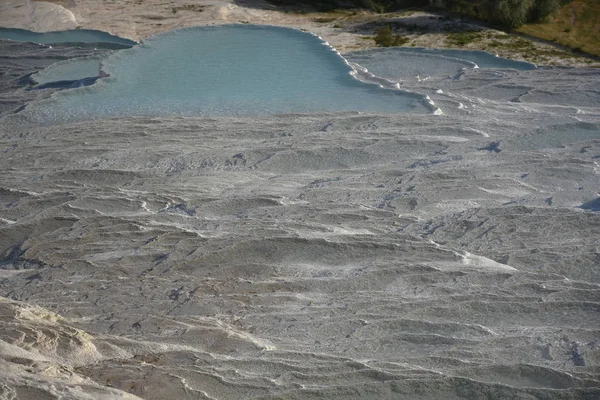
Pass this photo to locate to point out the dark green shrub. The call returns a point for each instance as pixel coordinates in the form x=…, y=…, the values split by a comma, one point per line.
x=374, y=5
x=385, y=37
x=507, y=13
x=463, y=38
x=324, y=20
x=542, y=10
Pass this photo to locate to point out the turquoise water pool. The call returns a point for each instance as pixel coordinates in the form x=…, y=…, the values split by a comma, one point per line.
x=233, y=70
x=69, y=70
x=241, y=70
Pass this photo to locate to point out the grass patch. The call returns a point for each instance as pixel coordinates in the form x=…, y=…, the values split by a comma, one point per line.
x=463, y=38
x=576, y=25
x=519, y=44
x=530, y=52
x=498, y=36
x=188, y=7
x=324, y=20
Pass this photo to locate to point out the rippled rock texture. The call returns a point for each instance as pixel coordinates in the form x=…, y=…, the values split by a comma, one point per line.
x=343, y=256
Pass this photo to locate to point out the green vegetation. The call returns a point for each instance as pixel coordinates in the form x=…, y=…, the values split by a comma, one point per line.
x=385, y=37
x=508, y=14
x=508, y=45
x=463, y=38
x=188, y=7
x=324, y=20
x=575, y=25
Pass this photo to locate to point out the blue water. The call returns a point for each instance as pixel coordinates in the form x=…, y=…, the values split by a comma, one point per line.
x=401, y=66
x=233, y=70
x=73, y=69
x=67, y=84
x=62, y=37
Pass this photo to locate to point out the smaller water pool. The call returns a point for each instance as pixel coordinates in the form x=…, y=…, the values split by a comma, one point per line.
x=78, y=36
x=406, y=63
x=229, y=70
x=70, y=70
x=482, y=59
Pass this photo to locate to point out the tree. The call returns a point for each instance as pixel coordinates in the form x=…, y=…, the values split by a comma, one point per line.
x=543, y=8
x=385, y=37
x=507, y=13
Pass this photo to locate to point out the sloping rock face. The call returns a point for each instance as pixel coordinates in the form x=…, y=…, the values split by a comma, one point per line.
x=308, y=256
x=39, y=352
x=38, y=16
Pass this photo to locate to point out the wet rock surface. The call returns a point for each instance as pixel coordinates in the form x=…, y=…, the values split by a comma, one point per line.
x=308, y=256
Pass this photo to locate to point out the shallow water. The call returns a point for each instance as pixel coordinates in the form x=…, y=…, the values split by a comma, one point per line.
x=69, y=70
x=409, y=64
x=245, y=70
x=405, y=66
x=227, y=71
